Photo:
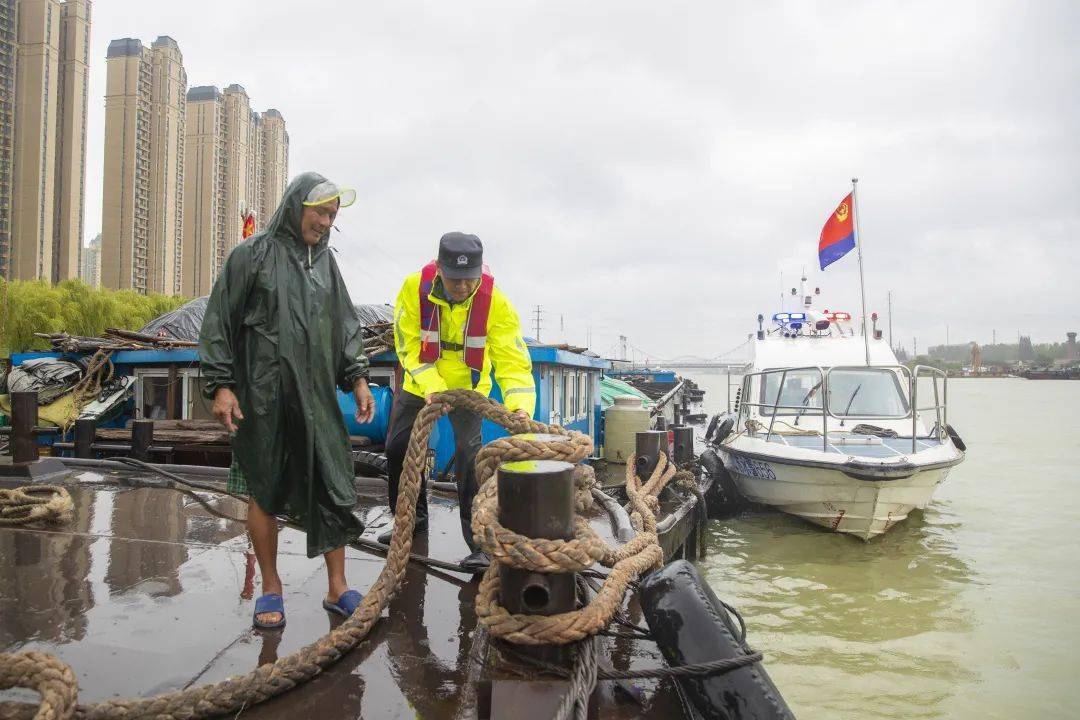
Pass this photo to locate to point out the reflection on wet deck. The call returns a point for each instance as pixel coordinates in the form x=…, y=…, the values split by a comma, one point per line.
x=146, y=592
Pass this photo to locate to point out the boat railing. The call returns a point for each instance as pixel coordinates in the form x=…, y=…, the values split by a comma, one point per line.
x=746, y=402
x=940, y=406
x=912, y=377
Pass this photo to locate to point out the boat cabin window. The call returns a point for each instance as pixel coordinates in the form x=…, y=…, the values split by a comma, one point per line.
x=801, y=393
x=583, y=394
x=198, y=407
x=154, y=398
x=866, y=392
x=555, y=379
x=569, y=396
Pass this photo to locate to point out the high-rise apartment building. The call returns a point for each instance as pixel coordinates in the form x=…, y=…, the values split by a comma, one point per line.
x=90, y=269
x=274, y=168
x=204, y=190
x=241, y=152
x=43, y=101
x=237, y=162
x=8, y=48
x=168, y=112
x=73, y=92
x=143, y=194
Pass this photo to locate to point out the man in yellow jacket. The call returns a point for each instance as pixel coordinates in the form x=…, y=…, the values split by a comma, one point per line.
x=452, y=328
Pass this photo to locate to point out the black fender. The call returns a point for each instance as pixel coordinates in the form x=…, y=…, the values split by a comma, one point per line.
x=718, y=430
x=955, y=436
x=712, y=428
x=723, y=497
x=691, y=625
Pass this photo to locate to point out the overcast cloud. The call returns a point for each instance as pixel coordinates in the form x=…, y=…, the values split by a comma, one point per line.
x=650, y=169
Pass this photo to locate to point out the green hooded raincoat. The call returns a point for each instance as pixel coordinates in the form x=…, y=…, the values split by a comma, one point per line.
x=281, y=331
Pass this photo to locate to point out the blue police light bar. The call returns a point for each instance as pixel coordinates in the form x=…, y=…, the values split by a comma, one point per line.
x=796, y=316
x=781, y=317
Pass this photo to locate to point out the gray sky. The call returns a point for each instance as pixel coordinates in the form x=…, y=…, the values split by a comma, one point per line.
x=651, y=169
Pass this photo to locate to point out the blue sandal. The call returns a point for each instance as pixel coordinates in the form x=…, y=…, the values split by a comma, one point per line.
x=346, y=604
x=269, y=603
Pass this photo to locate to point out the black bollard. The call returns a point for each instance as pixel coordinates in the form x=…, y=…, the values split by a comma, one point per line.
x=536, y=499
x=683, y=451
x=648, y=446
x=24, y=419
x=85, y=432
x=142, y=437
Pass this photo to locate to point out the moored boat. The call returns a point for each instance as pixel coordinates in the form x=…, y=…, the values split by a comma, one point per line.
x=829, y=427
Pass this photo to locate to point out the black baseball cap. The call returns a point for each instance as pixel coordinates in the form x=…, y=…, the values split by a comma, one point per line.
x=461, y=256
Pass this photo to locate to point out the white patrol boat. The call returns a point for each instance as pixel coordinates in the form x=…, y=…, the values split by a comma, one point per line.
x=833, y=429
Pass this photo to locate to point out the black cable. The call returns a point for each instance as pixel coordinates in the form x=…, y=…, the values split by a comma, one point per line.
x=362, y=543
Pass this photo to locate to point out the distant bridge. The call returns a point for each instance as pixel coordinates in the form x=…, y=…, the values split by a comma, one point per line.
x=729, y=365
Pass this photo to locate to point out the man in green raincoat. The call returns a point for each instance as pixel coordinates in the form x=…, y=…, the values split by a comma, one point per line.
x=279, y=336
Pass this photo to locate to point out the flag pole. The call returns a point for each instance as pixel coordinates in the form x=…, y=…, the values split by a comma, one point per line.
x=858, y=247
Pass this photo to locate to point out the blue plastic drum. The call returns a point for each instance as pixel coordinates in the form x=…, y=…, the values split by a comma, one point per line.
x=376, y=429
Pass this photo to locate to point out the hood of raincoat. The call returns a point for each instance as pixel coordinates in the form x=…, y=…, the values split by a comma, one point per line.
x=285, y=222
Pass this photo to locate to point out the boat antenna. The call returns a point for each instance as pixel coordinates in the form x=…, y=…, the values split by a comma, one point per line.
x=858, y=247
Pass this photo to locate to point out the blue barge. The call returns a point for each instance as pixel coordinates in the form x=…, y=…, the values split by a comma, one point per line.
x=169, y=387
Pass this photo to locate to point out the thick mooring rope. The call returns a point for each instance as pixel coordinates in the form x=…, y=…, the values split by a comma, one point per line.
x=627, y=562
x=57, y=683
x=35, y=504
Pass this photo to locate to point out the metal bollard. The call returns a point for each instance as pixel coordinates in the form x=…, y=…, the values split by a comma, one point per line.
x=536, y=499
x=142, y=437
x=24, y=419
x=648, y=446
x=85, y=434
x=683, y=451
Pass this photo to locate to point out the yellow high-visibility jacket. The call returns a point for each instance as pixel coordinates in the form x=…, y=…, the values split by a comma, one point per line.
x=505, y=351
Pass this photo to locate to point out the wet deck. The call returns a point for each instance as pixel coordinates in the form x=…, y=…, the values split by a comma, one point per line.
x=146, y=592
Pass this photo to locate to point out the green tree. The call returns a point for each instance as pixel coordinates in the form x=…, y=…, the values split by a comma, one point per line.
x=28, y=307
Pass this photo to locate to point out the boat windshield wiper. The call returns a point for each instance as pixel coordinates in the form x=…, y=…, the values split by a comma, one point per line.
x=806, y=401
x=852, y=398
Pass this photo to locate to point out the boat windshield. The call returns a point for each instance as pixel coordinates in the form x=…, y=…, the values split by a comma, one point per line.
x=800, y=395
x=866, y=392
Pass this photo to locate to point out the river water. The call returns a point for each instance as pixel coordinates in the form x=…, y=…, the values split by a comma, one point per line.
x=969, y=609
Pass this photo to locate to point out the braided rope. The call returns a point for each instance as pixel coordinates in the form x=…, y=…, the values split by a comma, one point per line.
x=58, y=687
x=628, y=562
x=35, y=504
x=266, y=681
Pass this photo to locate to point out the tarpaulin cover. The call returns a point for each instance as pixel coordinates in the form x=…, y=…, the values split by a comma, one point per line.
x=48, y=377
x=375, y=314
x=183, y=323
x=610, y=388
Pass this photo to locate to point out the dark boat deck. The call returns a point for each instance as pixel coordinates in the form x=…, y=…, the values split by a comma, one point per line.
x=146, y=592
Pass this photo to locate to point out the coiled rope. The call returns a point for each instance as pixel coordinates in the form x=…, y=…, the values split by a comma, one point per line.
x=34, y=505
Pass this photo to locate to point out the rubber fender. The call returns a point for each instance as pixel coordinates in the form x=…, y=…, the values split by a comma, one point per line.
x=724, y=430
x=712, y=428
x=955, y=436
x=723, y=497
x=690, y=625
x=711, y=462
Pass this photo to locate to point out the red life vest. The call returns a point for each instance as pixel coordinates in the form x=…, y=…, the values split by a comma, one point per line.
x=475, y=339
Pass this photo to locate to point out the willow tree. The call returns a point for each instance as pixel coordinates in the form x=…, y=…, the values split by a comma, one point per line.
x=28, y=307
